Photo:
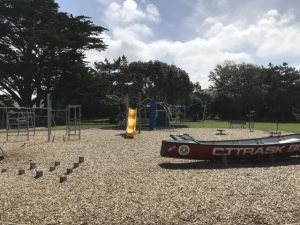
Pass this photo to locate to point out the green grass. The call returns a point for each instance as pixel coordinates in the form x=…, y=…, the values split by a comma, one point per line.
x=209, y=124
x=98, y=124
x=264, y=126
x=289, y=127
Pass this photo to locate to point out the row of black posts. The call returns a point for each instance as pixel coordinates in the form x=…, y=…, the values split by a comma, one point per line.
x=39, y=173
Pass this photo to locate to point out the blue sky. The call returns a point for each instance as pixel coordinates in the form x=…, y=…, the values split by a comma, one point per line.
x=195, y=35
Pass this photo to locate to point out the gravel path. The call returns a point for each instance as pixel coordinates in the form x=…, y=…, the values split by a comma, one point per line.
x=125, y=181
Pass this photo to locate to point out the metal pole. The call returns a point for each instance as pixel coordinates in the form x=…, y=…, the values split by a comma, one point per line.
x=79, y=121
x=18, y=122
x=27, y=121
x=69, y=121
x=127, y=106
x=66, y=119
x=49, y=116
x=7, y=124
x=75, y=119
x=140, y=115
x=204, y=112
x=3, y=115
x=34, y=123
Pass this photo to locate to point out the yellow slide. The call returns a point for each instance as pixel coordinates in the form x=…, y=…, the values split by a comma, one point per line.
x=131, y=123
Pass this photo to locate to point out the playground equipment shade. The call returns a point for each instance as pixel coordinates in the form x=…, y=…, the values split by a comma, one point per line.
x=131, y=122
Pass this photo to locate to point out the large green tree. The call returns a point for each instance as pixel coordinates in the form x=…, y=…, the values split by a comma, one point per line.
x=272, y=92
x=40, y=47
x=152, y=79
x=237, y=88
x=281, y=92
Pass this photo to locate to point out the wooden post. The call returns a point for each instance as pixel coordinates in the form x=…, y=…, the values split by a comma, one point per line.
x=38, y=174
x=69, y=171
x=32, y=165
x=81, y=159
x=62, y=179
x=21, y=172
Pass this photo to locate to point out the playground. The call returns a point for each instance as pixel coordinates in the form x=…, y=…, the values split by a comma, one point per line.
x=125, y=181
x=149, y=112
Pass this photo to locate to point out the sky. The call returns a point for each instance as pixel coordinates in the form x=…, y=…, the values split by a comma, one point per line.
x=195, y=35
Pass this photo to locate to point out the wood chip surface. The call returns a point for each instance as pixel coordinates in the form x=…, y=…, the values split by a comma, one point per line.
x=125, y=181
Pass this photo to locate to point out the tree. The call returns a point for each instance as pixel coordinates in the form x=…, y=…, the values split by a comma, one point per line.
x=200, y=100
x=273, y=92
x=231, y=83
x=165, y=81
x=237, y=89
x=39, y=46
x=282, y=93
x=153, y=79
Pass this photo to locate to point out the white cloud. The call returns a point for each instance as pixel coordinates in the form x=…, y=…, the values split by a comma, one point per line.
x=152, y=13
x=129, y=12
x=134, y=31
x=197, y=57
x=270, y=35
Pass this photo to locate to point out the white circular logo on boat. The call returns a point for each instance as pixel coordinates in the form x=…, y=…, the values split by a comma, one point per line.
x=183, y=150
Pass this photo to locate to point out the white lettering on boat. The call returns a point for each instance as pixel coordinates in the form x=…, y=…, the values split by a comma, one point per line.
x=184, y=150
x=253, y=151
x=294, y=148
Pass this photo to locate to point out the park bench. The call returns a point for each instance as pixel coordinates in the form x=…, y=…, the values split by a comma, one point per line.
x=275, y=133
x=220, y=132
x=237, y=122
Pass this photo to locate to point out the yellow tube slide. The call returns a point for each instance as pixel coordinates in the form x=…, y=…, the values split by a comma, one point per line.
x=131, y=122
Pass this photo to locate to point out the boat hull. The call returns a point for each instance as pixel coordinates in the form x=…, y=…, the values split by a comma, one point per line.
x=202, y=151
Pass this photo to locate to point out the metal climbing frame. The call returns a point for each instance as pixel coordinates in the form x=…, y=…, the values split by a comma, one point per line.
x=19, y=122
x=73, y=117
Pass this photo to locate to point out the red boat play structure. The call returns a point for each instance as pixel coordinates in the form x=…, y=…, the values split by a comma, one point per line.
x=186, y=147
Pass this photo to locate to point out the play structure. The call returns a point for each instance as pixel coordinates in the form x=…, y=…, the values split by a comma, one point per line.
x=73, y=120
x=186, y=147
x=23, y=121
x=131, y=123
x=153, y=114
